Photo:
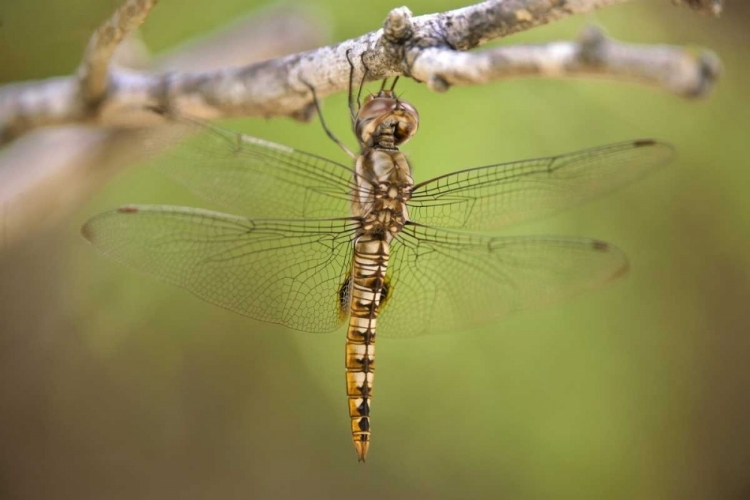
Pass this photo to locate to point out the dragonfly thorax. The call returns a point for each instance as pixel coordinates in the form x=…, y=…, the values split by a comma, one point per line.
x=384, y=185
x=385, y=122
x=383, y=224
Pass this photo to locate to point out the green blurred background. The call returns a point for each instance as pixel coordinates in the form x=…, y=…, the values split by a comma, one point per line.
x=113, y=385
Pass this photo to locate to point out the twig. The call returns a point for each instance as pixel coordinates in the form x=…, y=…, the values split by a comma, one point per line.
x=273, y=88
x=593, y=55
x=93, y=71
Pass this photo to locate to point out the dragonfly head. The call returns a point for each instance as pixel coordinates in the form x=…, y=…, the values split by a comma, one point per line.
x=383, y=116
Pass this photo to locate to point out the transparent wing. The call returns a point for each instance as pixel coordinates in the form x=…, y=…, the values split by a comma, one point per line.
x=282, y=271
x=251, y=176
x=489, y=198
x=442, y=281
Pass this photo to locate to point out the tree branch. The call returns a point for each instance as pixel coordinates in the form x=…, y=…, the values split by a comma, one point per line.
x=46, y=174
x=425, y=47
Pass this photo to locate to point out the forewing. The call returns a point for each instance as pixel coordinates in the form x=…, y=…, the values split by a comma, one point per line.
x=251, y=176
x=492, y=197
x=442, y=281
x=281, y=271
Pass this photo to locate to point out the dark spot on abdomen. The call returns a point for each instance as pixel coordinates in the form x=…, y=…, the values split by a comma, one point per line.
x=364, y=424
x=364, y=408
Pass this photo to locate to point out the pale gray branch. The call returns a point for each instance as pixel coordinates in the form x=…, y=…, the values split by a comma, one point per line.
x=274, y=88
x=593, y=55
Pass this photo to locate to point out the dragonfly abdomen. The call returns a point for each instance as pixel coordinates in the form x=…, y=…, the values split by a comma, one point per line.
x=367, y=287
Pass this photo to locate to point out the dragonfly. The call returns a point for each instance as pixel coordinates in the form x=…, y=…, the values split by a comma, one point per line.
x=313, y=244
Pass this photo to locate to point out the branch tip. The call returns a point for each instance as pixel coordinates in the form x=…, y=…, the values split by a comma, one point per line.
x=710, y=69
x=711, y=64
x=437, y=83
x=398, y=27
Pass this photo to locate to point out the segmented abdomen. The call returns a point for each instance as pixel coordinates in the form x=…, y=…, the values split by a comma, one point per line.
x=367, y=285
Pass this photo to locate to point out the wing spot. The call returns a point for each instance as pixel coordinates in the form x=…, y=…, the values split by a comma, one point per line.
x=644, y=142
x=128, y=209
x=268, y=144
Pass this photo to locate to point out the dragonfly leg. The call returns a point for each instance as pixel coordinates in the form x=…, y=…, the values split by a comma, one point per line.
x=354, y=110
x=350, y=98
x=323, y=122
x=395, y=80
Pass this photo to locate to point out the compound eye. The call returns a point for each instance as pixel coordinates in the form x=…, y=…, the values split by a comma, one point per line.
x=376, y=108
x=409, y=110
